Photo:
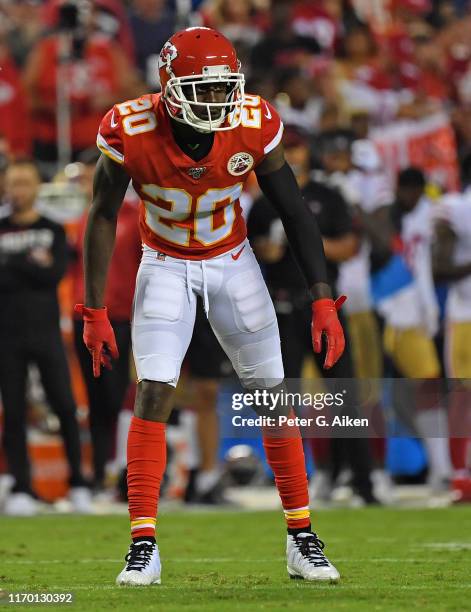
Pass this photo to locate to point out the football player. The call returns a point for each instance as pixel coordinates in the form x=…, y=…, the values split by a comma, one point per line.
x=402, y=286
x=188, y=152
x=452, y=264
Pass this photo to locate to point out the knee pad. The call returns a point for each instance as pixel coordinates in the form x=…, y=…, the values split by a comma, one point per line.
x=259, y=365
x=163, y=297
x=152, y=364
x=251, y=304
x=158, y=368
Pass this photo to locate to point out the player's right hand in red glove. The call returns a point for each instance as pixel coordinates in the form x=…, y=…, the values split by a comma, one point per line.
x=98, y=336
x=325, y=321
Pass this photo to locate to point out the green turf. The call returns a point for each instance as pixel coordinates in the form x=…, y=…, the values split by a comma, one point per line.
x=389, y=560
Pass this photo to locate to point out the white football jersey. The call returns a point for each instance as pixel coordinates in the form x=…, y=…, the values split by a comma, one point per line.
x=415, y=305
x=455, y=209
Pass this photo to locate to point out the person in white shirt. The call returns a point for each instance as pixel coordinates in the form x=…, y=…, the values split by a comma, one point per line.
x=404, y=294
x=452, y=263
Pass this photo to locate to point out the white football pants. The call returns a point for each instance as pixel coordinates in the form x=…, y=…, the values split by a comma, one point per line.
x=237, y=303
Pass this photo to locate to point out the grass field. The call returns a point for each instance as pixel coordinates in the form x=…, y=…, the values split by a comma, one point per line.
x=389, y=560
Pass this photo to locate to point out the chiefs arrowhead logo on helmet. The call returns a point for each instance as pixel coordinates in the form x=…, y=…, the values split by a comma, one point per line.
x=167, y=55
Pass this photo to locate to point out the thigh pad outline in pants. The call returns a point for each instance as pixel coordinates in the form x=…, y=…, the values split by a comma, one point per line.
x=162, y=323
x=243, y=318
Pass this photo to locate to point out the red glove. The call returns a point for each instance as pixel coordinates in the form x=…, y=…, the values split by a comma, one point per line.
x=325, y=320
x=98, y=336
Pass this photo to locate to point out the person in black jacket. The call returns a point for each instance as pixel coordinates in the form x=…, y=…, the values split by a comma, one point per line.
x=33, y=259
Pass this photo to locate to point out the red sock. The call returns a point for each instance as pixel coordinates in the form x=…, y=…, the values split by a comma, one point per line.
x=458, y=453
x=459, y=425
x=147, y=456
x=285, y=456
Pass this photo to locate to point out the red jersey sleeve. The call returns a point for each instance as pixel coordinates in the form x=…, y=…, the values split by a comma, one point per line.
x=110, y=138
x=272, y=127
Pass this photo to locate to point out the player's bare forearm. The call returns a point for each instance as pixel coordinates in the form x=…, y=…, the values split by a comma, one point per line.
x=278, y=183
x=109, y=187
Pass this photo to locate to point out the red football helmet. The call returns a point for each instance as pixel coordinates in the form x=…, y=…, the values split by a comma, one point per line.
x=195, y=56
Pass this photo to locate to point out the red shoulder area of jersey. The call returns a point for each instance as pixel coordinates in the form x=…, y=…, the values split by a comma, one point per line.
x=126, y=119
x=189, y=208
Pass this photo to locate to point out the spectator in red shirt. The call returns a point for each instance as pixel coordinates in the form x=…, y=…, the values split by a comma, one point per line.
x=23, y=25
x=14, y=113
x=110, y=18
x=426, y=74
x=106, y=393
x=321, y=21
x=98, y=74
x=359, y=59
x=405, y=17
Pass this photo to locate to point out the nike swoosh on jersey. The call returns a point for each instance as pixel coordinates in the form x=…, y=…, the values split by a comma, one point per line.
x=113, y=122
x=268, y=113
x=236, y=256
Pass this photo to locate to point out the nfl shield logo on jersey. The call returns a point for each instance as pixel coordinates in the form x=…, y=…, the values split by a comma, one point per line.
x=197, y=172
x=240, y=163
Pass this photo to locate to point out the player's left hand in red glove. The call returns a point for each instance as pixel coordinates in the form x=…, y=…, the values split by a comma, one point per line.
x=325, y=321
x=98, y=336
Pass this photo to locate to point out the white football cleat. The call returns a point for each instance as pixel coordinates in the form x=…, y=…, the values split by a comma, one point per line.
x=306, y=559
x=21, y=504
x=81, y=500
x=142, y=565
x=383, y=486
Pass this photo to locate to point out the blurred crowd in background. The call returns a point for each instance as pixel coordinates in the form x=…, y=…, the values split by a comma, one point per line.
x=375, y=96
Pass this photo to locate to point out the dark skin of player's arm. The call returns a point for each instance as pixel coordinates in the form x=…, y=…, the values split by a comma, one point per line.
x=274, y=161
x=153, y=399
x=444, y=269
